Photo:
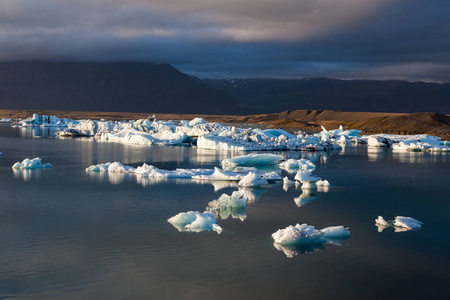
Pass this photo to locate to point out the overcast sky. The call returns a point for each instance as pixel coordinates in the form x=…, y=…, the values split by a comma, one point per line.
x=350, y=39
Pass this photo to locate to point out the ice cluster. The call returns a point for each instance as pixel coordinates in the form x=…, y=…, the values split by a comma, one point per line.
x=34, y=163
x=229, y=205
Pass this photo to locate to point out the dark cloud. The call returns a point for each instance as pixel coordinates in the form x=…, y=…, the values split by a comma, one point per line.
x=381, y=39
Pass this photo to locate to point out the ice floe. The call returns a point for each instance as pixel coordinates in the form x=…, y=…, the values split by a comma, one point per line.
x=194, y=221
x=298, y=234
x=336, y=232
x=34, y=163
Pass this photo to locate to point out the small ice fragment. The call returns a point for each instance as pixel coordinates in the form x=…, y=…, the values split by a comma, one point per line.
x=34, y=163
x=381, y=221
x=307, y=179
x=322, y=183
x=253, y=180
x=407, y=222
x=115, y=167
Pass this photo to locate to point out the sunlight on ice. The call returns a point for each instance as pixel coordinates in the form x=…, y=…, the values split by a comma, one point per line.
x=194, y=221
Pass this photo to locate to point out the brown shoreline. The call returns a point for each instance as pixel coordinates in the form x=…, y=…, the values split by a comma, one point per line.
x=306, y=120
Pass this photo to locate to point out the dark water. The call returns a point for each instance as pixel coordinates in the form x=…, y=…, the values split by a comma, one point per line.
x=66, y=234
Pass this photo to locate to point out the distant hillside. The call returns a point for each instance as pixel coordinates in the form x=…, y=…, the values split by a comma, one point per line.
x=118, y=86
x=259, y=96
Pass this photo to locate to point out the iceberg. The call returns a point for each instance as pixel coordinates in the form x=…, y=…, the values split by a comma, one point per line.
x=220, y=174
x=323, y=183
x=253, y=180
x=194, y=221
x=225, y=206
x=378, y=141
x=298, y=234
x=400, y=223
x=34, y=163
x=153, y=172
x=307, y=179
x=252, y=160
x=115, y=167
x=407, y=222
x=135, y=137
x=295, y=164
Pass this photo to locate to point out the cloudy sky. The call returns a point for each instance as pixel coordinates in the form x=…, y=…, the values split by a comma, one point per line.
x=350, y=39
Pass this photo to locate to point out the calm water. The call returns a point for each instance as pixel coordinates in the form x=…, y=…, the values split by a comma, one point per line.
x=66, y=234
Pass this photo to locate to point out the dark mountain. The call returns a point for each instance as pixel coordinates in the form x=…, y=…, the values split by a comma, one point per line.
x=258, y=96
x=116, y=86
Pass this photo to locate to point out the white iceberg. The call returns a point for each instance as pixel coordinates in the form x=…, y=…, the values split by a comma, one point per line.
x=378, y=141
x=252, y=160
x=298, y=234
x=295, y=164
x=194, y=221
x=307, y=179
x=27, y=163
x=115, y=167
x=220, y=174
x=407, y=222
x=323, y=183
x=153, y=172
x=400, y=223
x=253, y=180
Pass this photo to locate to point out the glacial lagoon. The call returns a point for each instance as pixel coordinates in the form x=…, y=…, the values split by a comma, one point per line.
x=70, y=234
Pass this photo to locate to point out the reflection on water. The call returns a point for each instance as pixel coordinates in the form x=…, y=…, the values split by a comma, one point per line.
x=217, y=184
x=253, y=194
x=307, y=196
x=27, y=174
x=110, y=177
x=377, y=153
x=292, y=250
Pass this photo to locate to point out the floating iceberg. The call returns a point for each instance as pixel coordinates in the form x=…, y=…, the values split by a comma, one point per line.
x=400, y=223
x=44, y=121
x=407, y=222
x=135, y=137
x=252, y=160
x=298, y=234
x=153, y=172
x=253, y=180
x=295, y=164
x=324, y=183
x=27, y=163
x=379, y=141
x=307, y=179
x=194, y=221
x=115, y=167
x=233, y=205
x=220, y=174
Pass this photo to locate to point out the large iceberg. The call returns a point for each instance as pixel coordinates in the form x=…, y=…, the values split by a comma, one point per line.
x=34, y=163
x=194, y=221
x=135, y=137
